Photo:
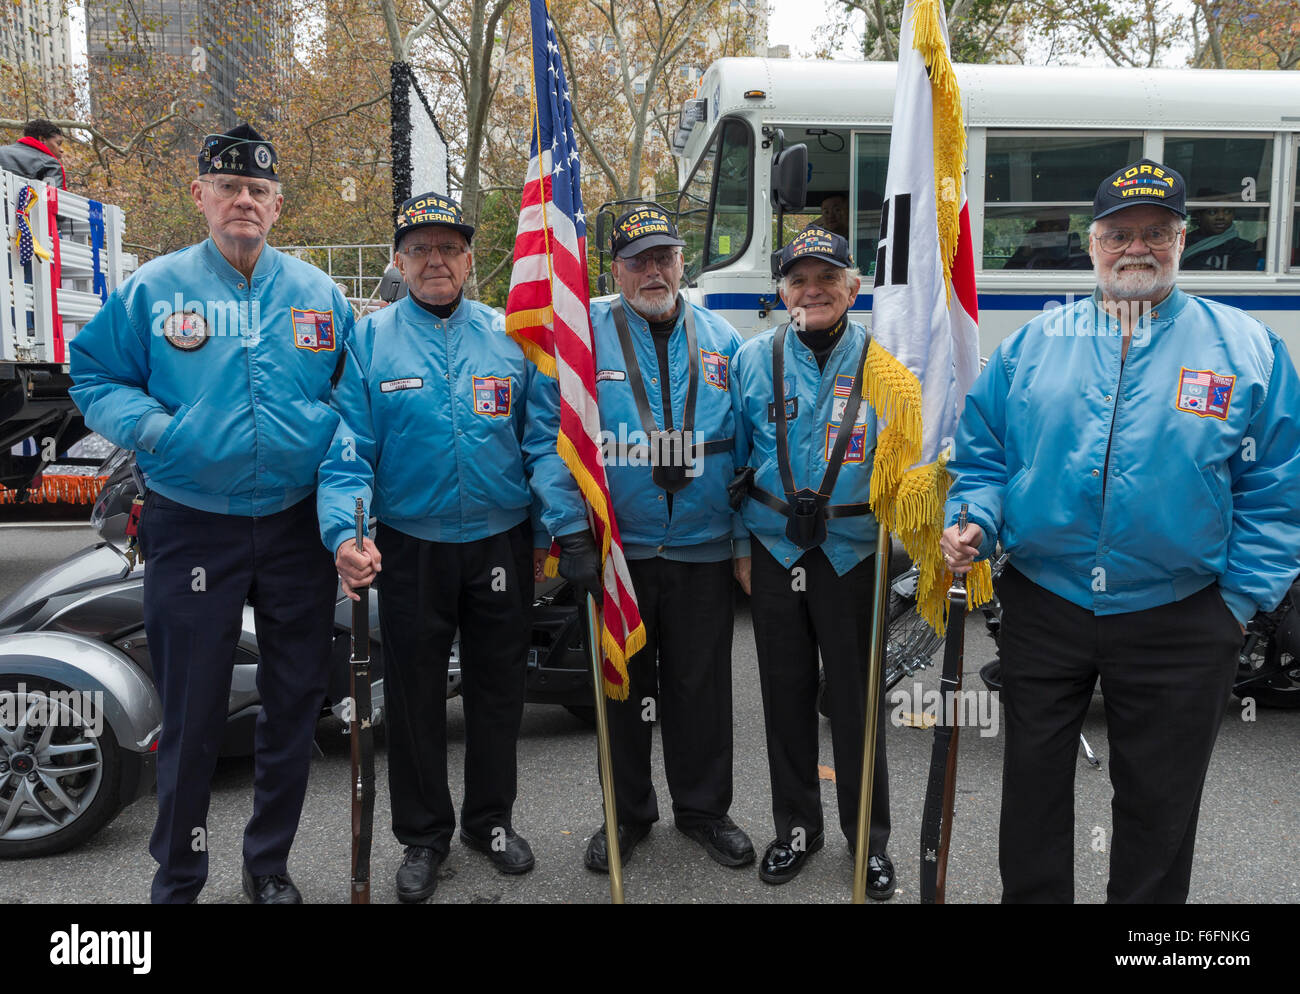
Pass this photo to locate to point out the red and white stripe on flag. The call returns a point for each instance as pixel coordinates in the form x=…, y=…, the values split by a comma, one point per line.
x=925, y=349
x=547, y=313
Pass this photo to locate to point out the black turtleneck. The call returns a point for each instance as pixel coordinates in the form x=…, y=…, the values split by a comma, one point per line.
x=443, y=311
x=822, y=343
x=660, y=332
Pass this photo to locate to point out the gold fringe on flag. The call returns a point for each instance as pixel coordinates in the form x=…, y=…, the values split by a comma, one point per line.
x=531, y=318
x=58, y=489
x=949, y=129
x=910, y=501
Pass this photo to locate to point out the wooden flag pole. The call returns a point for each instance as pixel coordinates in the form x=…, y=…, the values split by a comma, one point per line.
x=604, y=755
x=879, y=611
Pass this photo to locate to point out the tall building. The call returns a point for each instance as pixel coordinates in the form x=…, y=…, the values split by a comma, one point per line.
x=35, y=34
x=226, y=42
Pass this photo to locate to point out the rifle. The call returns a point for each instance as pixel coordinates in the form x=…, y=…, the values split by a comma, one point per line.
x=363, y=741
x=941, y=788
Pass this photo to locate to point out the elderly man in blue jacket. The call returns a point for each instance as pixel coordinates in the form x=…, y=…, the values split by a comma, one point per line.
x=1138, y=455
x=670, y=448
x=810, y=437
x=214, y=363
x=448, y=434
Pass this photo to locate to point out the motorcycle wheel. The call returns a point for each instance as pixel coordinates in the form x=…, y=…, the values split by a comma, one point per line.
x=1281, y=691
x=72, y=786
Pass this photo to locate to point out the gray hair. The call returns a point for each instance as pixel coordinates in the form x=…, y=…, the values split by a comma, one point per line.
x=850, y=274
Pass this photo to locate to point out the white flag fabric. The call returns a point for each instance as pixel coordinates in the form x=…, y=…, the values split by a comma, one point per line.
x=925, y=350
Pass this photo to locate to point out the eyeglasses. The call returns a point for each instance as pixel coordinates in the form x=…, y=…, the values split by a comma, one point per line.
x=228, y=189
x=421, y=251
x=1156, y=236
x=663, y=259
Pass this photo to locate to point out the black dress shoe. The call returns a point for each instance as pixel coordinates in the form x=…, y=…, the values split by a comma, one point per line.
x=597, y=858
x=417, y=877
x=782, y=862
x=274, y=888
x=511, y=854
x=722, y=840
x=881, y=881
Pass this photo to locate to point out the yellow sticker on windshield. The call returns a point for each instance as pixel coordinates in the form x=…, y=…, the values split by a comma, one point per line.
x=724, y=244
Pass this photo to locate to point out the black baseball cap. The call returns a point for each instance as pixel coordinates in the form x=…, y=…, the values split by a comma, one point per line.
x=816, y=242
x=644, y=226
x=429, y=209
x=1144, y=182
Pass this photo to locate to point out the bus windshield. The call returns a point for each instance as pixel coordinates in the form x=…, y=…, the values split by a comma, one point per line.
x=713, y=209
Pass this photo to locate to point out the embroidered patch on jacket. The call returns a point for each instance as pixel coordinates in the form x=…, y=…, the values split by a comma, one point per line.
x=843, y=384
x=405, y=383
x=857, y=450
x=715, y=368
x=791, y=410
x=186, y=330
x=1204, y=393
x=313, y=330
x=492, y=396
x=610, y=374
x=838, y=404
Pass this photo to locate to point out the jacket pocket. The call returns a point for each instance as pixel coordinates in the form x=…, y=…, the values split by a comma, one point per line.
x=1219, y=501
x=162, y=449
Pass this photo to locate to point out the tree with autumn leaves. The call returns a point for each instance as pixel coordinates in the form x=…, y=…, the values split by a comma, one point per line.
x=136, y=117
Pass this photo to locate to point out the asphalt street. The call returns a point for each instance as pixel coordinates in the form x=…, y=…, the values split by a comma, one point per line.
x=1247, y=847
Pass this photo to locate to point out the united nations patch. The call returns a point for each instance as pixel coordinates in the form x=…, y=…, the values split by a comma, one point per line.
x=185, y=330
x=1204, y=393
x=492, y=396
x=262, y=156
x=313, y=330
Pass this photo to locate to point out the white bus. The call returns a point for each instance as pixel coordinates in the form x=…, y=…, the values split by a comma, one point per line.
x=1040, y=140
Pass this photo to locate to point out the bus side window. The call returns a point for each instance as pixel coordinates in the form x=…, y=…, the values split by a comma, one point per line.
x=1038, y=193
x=871, y=163
x=1229, y=182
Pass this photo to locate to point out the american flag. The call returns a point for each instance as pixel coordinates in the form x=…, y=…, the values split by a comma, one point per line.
x=547, y=314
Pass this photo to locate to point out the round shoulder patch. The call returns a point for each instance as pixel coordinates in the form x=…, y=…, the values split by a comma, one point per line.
x=186, y=330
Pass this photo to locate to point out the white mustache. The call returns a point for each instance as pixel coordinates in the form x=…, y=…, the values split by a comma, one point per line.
x=1142, y=260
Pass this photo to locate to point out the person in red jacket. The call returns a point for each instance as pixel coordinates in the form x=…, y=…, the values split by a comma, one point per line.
x=38, y=154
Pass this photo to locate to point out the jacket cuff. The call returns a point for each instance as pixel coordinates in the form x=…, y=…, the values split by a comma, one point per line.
x=739, y=548
x=150, y=428
x=335, y=537
x=1241, y=606
x=572, y=528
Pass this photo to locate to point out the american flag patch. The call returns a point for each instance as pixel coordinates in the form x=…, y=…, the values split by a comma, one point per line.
x=1204, y=393
x=843, y=384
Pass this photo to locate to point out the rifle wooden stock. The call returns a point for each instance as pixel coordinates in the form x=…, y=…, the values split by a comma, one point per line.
x=362, y=738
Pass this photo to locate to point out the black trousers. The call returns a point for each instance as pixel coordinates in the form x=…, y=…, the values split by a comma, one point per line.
x=200, y=568
x=1166, y=674
x=427, y=591
x=682, y=679
x=795, y=617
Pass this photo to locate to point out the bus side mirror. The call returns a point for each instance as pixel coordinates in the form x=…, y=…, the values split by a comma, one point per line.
x=603, y=220
x=790, y=178
x=391, y=287
x=605, y=284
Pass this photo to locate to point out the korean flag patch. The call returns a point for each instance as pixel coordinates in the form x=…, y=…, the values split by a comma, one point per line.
x=492, y=396
x=313, y=330
x=715, y=368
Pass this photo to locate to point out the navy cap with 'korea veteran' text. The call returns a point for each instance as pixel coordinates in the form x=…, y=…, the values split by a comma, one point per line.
x=1144, y=182
x=429, y=209
x=645, y=226
x=816, y=242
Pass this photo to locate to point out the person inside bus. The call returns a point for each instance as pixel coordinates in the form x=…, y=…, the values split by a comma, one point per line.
x=1215, y=242
x=835, y=214
x=1050, y=244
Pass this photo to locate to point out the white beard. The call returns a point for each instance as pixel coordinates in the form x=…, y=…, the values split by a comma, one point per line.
x=1137, y=284
x=658, y=306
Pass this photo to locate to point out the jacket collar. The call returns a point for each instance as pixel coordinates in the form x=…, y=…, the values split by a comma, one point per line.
x=40, y=146
x=414, y=312
x=268, y=261
x=1163, y=310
